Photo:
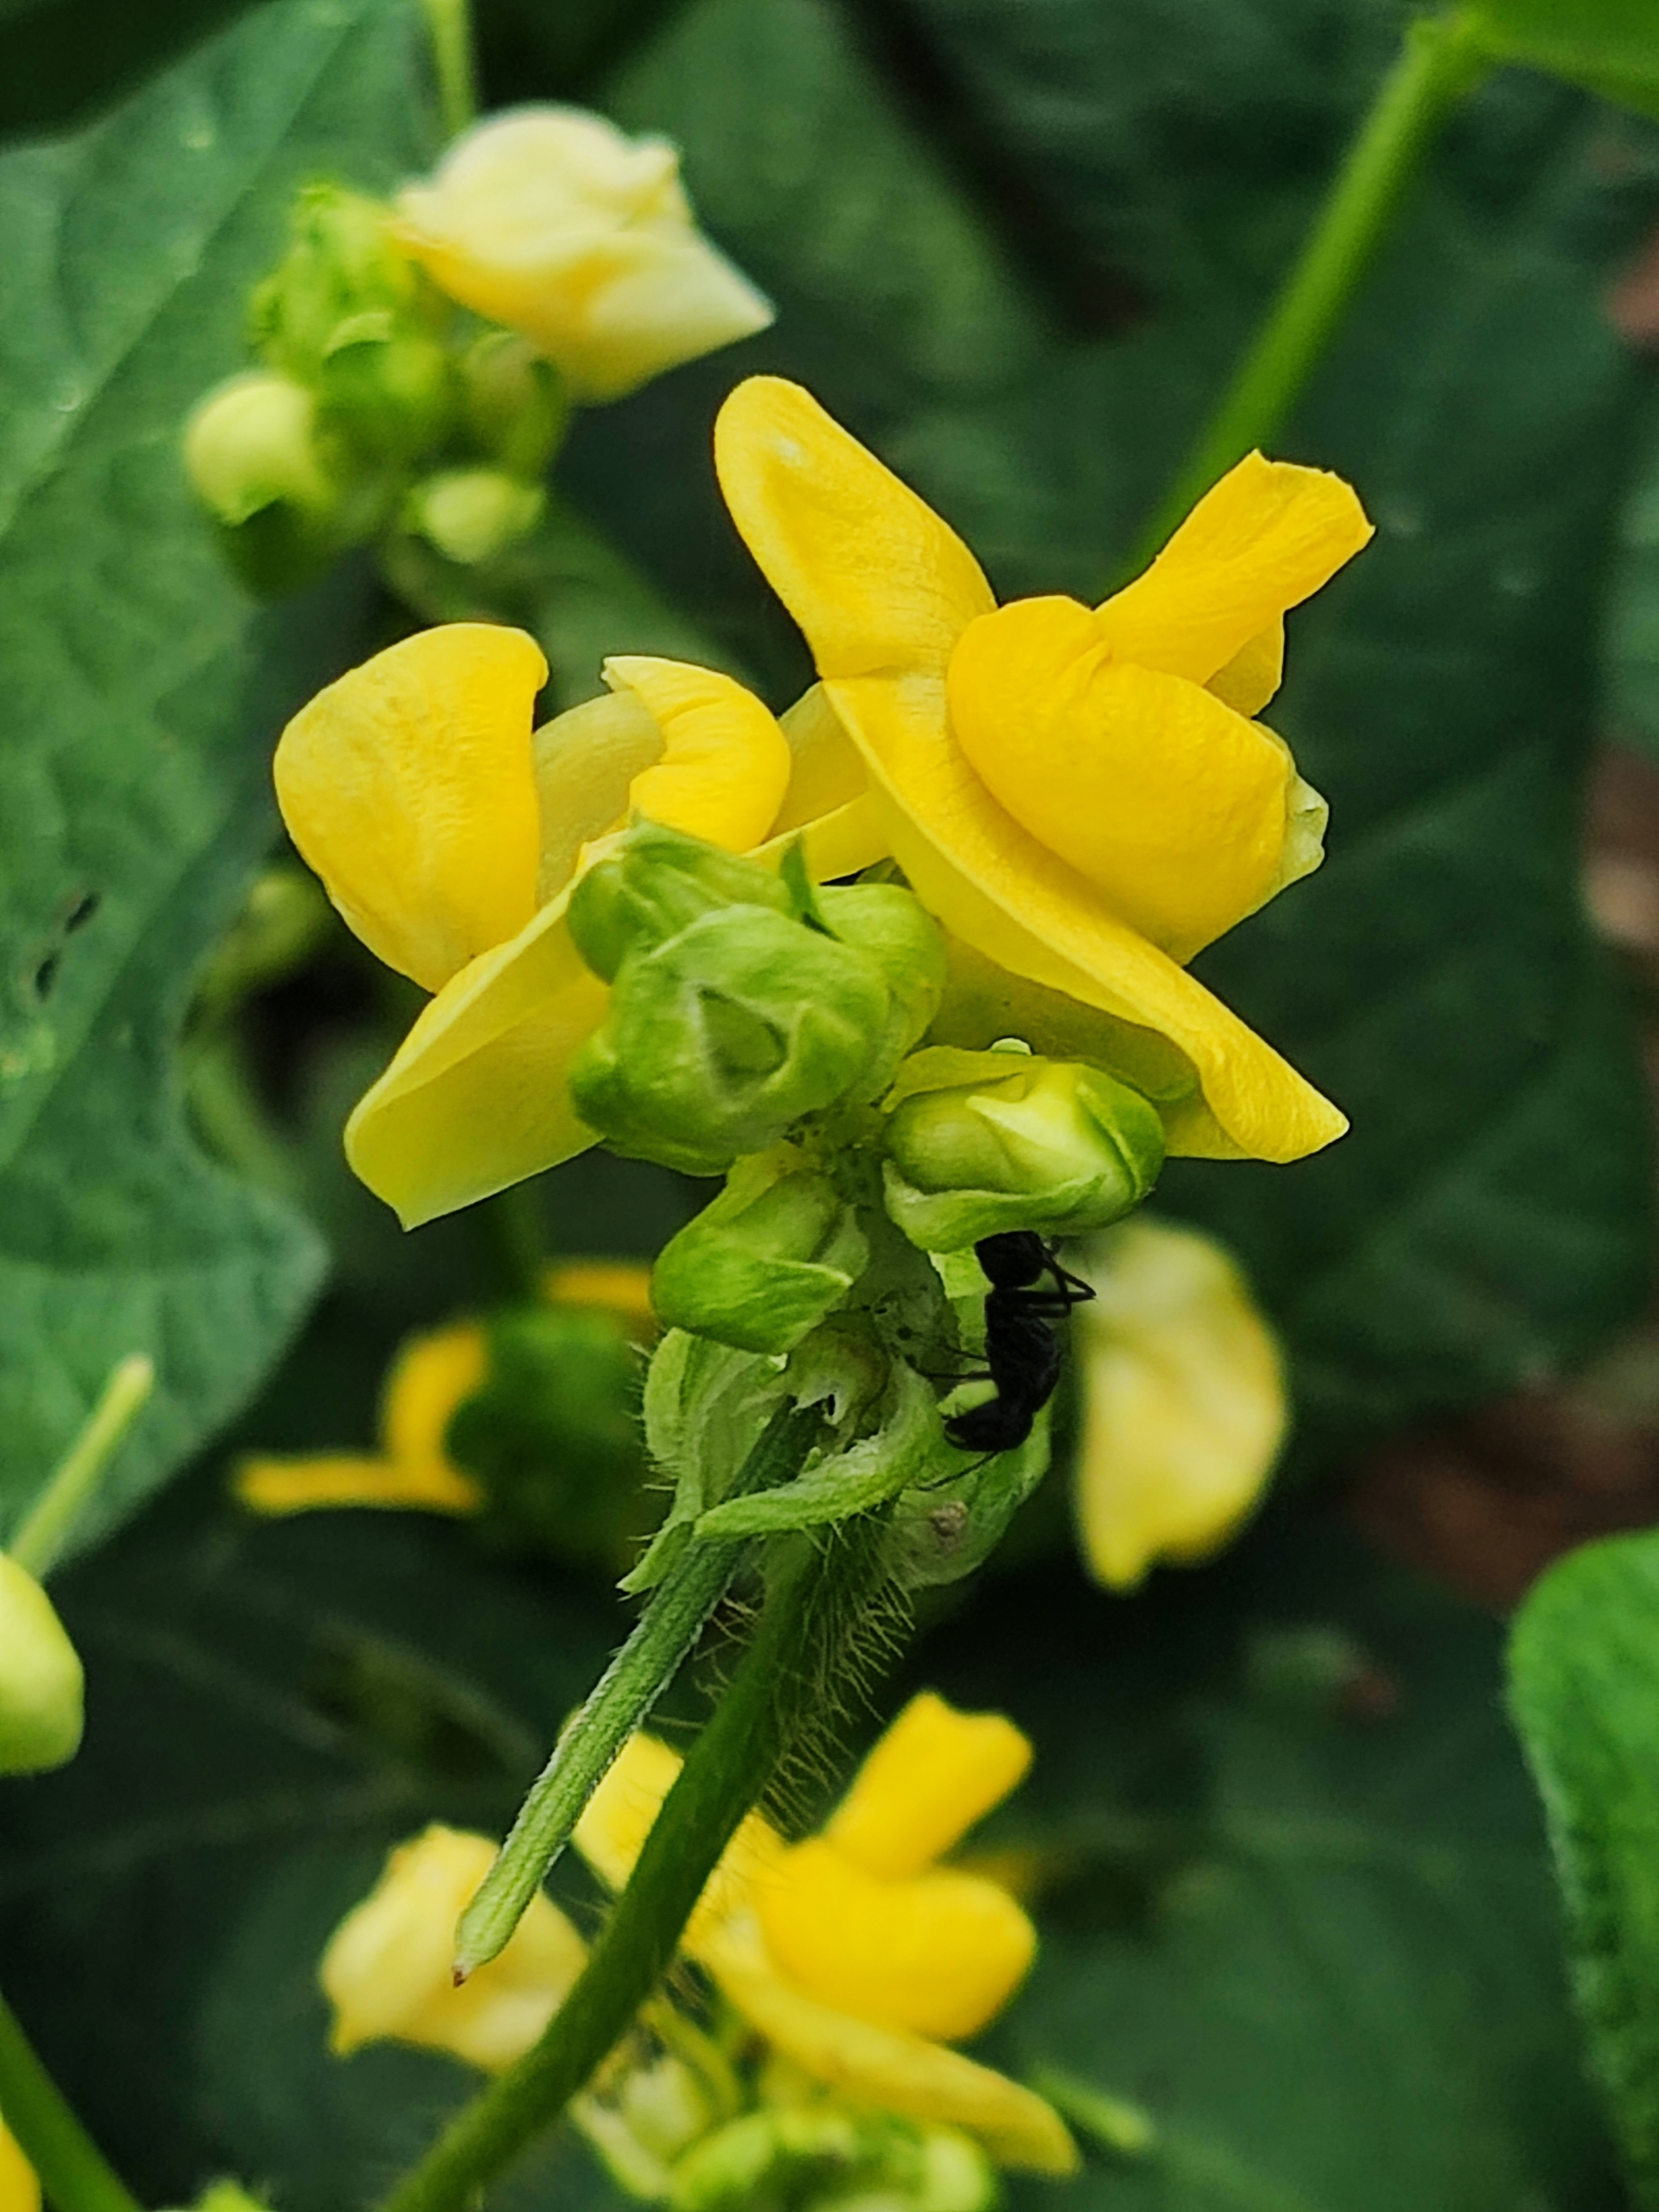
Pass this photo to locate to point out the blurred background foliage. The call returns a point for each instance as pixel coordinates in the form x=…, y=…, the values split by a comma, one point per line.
x=1293, y=1887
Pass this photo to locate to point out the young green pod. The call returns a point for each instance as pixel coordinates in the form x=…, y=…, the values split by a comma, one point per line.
x=41, y=1683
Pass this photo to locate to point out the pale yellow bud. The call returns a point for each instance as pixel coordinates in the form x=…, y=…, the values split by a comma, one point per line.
x=40, y=1680
x=387, y=1969
x=470, y=514
x=553, y=222
x=251, y=444
x=1184, y=1405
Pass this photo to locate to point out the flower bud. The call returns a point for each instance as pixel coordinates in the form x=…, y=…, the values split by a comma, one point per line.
x=553, y=222
x=1054, y=1146
x=471, y=515
x=390, y=389
x=891, y=925
x=40, y=1678
x=720, y=1039
x=253, y=456
x=761, y=1266
x=552, y=1432
x=652, y=885
x=755, y=2159
x=514, y=404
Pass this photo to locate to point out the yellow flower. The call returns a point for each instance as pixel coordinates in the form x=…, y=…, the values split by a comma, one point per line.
x=20, y=2190
x=854, y=1954
x=1184, y=1403
x=1079, y=795
x=449, y=836
x=549, y=221
x=387, y=1968
x=433, y=1373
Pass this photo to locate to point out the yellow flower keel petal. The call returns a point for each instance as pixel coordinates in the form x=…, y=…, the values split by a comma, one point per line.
x=726, y=762
x=934, y=1772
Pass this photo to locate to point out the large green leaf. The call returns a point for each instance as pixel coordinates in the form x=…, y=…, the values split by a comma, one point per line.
x=1612, y=46
x=1585, y=1688
x=143, y=690
x=1036, y=365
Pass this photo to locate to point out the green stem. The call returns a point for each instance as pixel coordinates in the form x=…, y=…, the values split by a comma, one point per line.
x=74, y=2172
x=511, y=1226
x=623, y=1695
x=46, y=1529
x=451, y=25
x=1440, y=60
x=776, y=1693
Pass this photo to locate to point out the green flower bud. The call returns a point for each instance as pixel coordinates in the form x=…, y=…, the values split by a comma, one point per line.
x=652, y=885
x=470, y=514
x=553, y=1433
x=513, y=404
x=40, y=1678
x=889, y=925
x=774, y=2149
x=720, y=1039
x=1050, y=1145
x=253, y=455
x=761, y=1266
x=390, y=389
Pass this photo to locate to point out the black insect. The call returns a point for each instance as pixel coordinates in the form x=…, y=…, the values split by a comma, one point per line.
x=1022, y=1352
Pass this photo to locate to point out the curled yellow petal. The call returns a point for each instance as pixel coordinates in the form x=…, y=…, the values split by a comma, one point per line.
x=1262, y=540
x=1172, y=806
x=938, y=1952
x=1184, y=1400
x=892, y=2070
x=619, y=1286
x=1007, y=897
x=872, y=575
x=933, y=1774
x=587, y=760
x=1250, y=678
x=431, y=1375
x=275, y=1486
x=476, y=1097
x=407, y=787
x=725, y=763
x=387, y=1968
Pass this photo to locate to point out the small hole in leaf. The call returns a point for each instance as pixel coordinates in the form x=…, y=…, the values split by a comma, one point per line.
x=47, y=975
x=82, y=913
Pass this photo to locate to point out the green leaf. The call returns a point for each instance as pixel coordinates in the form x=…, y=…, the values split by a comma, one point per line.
x=1036, y=367
x=144, y=691
x=1584, y=1684
x=1632, y=634
x=1611, y=46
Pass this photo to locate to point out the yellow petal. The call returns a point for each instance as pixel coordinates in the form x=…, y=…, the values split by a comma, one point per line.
x=20, y=2191
x=891, y=2070
x=1184, y=1401
x=619, y=1286
x=872, y=575
x=1250, y=678
x=303, y=1486
x=476, y=1097
x=992, y=885
x=619, y=1816
x=931, y=1775
x=825, y=769
x=387, y=1968
x=940, y=1953
x=407, y=787
x=430, y=1376
x=1168, y=803
x=1263, y=539
x=726, y=762
x=585, y=760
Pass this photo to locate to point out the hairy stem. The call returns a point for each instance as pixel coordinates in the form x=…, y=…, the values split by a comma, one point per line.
x=74, y=2172
x=820, y=1590
x=1441, y=59
x=619, y=1702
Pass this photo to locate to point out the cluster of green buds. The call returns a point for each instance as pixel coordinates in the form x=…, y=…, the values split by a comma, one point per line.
x=378, y=407
x=813, y=2157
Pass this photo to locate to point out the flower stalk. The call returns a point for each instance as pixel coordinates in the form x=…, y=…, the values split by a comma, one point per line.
x=74, y=2172
x=821, y=1590
x=48, y=1526
x=1441, y=59
x=451, y=25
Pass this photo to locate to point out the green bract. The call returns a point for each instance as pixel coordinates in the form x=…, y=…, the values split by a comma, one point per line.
x=982, y=1141
x=890, y=927
x=764, y=1263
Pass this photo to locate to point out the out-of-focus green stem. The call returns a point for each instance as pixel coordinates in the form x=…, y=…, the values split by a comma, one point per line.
x=451, y=23
x=1442, y=59
x=74, y=2172
x=46, y=1527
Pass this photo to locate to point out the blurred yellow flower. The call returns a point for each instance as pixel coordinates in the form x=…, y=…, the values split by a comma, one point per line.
x=20, y=2190
x=1078, y=794
x=431, y=1376
x=550, y=220
x=854, y=1954
x=449, y=833
x=387, y=1969
x=1184, y=1407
